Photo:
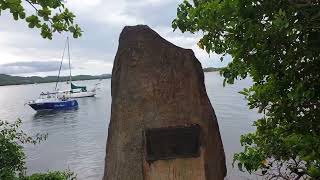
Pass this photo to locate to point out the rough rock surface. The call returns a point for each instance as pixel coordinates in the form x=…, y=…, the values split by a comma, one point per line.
x=157, y=84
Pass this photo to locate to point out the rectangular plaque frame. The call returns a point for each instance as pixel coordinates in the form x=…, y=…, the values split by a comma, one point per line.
x=172, y=142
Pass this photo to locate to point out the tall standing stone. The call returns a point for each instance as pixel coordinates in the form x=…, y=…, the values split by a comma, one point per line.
x=162, y=123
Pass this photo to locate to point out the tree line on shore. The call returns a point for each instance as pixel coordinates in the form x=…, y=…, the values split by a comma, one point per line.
x=6, y=80
x=18, y=80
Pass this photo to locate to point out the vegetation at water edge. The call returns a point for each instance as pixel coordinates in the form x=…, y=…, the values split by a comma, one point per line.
x=12, y=156
x=17, y=80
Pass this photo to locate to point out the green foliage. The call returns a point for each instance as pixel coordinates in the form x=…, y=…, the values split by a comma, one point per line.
x=276, y=43
x=55, y=175
x=50, y=16
x=12, y=156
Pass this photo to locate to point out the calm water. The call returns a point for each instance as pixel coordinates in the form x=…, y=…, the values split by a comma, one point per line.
x=77, y=138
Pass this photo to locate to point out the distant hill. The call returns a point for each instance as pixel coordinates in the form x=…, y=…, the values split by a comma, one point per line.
x=17, y=80
x=211, y=69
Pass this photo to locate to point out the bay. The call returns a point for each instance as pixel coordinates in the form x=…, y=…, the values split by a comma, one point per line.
x=77, y=139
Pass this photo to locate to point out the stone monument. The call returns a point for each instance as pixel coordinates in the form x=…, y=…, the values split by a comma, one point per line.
x=162, y=124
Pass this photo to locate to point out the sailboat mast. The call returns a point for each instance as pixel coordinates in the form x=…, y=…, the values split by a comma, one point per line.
x=69, y=59
x=64, y=50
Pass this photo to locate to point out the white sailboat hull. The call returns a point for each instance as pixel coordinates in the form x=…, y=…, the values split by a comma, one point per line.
x=82, y=94
x=77, y=94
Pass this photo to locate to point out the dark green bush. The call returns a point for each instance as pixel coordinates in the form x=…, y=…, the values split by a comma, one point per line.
x=12, y=156
x=54, y=175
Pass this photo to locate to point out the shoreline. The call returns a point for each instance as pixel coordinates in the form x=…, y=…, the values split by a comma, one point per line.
x=8, y=80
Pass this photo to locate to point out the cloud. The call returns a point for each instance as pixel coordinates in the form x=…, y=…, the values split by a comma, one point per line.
x=112, y=13
x=102, y=22
x=189, y=41
x=31, y=67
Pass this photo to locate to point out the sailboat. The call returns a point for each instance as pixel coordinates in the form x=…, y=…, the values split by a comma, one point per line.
x=52, y=101
x=81, y=91
x=55, y=100
x=77, y=91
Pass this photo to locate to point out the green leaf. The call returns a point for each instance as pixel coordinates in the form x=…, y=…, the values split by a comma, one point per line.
x=22, y=15
x=314, y=171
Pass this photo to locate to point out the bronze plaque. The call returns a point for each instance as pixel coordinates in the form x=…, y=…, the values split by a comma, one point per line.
x=172, y=142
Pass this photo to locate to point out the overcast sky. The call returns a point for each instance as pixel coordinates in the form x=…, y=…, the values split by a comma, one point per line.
x=24, y=52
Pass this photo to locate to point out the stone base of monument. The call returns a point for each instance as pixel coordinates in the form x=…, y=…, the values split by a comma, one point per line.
x=162, y=124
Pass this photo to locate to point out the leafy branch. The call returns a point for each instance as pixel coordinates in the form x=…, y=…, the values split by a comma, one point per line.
x=50, y=16
x=276, y=43
x=12, y=156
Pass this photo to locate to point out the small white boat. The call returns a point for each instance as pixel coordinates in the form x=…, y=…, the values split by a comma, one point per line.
x=80, y=94
x=79, y=91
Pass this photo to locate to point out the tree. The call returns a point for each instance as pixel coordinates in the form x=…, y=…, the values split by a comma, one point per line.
x=12, y=157
x=50, y=16
x=277, y=44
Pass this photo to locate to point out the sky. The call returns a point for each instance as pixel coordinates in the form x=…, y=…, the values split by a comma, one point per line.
x=24, y=52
